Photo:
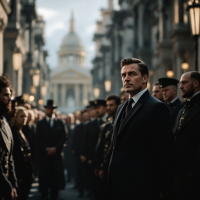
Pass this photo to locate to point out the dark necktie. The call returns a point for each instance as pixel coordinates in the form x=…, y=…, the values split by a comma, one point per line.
x=128, y=108
x=49, y=124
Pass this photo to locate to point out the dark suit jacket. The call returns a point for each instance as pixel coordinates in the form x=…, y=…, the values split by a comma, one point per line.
x=77, y=140
x=91, y=135
x=51, y=167
x=142, y=159
x=7, y=170
x=187, y=145
x=174, y=108
x=22, y=156
x=103, y=144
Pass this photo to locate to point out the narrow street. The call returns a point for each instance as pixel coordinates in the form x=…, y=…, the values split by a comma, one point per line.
x=68, y=194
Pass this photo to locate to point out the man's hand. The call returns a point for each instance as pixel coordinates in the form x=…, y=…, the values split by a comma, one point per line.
x=89, y=162
x=51, y=151
x=14, y=194
x=101, y=174
x=96, y=172
x=83, y=159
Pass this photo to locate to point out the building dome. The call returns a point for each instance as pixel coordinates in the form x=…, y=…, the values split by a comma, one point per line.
x=71, y=39
x=71, y=49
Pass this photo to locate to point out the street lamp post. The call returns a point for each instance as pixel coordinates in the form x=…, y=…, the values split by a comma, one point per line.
x=107, y=84
x=194, y=11
x=96, y=92
x=17, y=59
x=36, y=78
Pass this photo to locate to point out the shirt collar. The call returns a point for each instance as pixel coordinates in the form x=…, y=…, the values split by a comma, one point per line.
x=195, y=94
x=138, y=95
x=174, y=100
x=48, y=118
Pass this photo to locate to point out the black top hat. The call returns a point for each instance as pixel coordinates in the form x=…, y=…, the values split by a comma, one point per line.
x=99, y=102
x=21, y=99
x=50, y=104
x=164, y=82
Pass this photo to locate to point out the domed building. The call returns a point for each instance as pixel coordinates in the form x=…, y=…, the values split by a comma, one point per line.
x=71, y=80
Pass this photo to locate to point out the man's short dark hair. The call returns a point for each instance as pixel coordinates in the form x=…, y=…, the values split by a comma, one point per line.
x=156, y=84
x=142, y=66
x=195, y=76
x=4, y=82
x=114, y=97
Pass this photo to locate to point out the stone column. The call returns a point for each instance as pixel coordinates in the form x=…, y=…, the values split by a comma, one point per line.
x=85, y=93
x=63, y=91
x=4, y=10
x=55, y=93
x=140, y=25
x=77, y=95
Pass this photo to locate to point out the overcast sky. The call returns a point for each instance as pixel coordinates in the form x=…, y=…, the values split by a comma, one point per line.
x=57, y=13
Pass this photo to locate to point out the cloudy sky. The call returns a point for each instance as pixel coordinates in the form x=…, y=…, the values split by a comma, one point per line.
x=57, y=13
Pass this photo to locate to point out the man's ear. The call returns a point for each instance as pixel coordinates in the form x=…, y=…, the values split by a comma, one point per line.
x=196, y=83
x=145, y=78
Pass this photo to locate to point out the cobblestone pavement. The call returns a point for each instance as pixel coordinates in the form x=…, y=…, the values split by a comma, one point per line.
x=68, y=194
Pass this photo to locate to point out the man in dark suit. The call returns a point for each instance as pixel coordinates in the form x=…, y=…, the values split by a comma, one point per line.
x=187, y=139
x=8, y=180
x=90, y=139
x=76, y=149
x=51, y=138
x=169, y=91
x=104, y=141
x=141, y=165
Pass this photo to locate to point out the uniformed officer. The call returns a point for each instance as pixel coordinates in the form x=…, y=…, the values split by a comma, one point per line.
x=104, y=141
x=8, y=181
x=91, y=135
x=169, y=90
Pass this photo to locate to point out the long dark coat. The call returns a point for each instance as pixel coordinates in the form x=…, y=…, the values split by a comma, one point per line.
x=91, y=135
x=187, y=145
x=7, y=168
x=142, y=159
x=51, y=168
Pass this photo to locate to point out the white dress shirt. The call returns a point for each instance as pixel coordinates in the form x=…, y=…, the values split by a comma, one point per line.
x=137, y=96
x=51, y=120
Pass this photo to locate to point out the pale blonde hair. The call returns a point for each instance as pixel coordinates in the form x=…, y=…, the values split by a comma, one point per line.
x=19, y=109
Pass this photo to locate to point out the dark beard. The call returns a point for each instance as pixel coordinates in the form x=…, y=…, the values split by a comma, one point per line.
x=189, y=94
x=5, y=108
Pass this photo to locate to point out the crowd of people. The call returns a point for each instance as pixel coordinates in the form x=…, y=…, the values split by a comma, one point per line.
x=131, y=146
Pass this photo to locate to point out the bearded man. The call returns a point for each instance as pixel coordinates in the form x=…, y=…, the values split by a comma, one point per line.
x=8, y=181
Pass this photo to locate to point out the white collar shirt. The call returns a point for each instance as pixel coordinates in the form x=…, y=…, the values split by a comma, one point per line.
x=137, y=96
x=50, y=120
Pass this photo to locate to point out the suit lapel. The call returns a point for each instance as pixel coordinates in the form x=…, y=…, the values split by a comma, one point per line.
x=53, y=129
x=6, y=138
x=177, y=120
x=186, y=120
x=119, y=116
x=130, y=115
x=134, y=110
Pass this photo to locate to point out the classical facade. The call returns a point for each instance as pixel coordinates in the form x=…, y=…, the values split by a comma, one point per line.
x=4, y=10
x=71, y=80
x=24, y=57
x=156, y=31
